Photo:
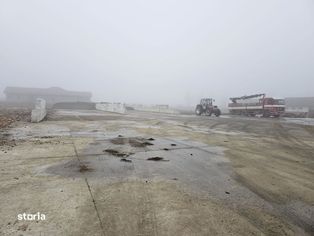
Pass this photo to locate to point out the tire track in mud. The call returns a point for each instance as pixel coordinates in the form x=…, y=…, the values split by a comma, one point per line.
x=279, y=210
x=309, y=129
x=216, y=124
x=282, y=134
x=290, y=215
x=282, y=137
x=260, y=224
x=288, y=141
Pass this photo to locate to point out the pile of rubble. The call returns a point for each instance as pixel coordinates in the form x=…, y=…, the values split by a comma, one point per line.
x=9, y=116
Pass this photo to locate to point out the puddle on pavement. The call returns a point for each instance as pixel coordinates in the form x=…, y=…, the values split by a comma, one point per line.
x=203, y=168
x=130, y=157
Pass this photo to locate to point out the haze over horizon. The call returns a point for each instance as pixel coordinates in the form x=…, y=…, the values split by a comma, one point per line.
x=161, y=52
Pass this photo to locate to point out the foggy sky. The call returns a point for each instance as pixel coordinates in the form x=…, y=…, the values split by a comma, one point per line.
x=164, y=52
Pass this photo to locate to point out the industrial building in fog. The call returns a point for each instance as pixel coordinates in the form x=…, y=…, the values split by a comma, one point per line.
x=52, y=95
x=300, y=106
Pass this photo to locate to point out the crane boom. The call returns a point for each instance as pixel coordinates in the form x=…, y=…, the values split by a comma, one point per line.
x=234, y=100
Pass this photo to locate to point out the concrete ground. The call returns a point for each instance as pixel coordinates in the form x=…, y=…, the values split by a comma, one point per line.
x=95, y=173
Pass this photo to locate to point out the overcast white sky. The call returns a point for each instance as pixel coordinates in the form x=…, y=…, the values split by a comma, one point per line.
x=165, y=51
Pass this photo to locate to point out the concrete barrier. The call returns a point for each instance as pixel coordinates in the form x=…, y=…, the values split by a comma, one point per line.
x=111, y=107
x=154, y=108
x=40, y=112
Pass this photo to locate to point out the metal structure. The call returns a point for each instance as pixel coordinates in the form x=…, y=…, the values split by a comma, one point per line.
x=257, y=104
x=206, y=107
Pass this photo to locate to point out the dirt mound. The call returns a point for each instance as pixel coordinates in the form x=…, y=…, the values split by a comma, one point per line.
x=9, y=116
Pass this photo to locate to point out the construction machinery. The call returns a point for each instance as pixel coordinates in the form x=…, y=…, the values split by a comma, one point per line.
x=257, y=104
x=206, y=107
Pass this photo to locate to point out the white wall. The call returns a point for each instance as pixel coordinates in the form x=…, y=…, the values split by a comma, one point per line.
x=111, y=107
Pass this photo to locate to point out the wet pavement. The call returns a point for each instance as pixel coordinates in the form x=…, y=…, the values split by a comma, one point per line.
x=200, y=169
x=129, y=164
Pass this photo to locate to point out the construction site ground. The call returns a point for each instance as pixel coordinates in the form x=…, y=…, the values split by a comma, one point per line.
x=97, y=173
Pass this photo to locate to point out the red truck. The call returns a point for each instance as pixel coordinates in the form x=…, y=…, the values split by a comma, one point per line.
x=257, y=104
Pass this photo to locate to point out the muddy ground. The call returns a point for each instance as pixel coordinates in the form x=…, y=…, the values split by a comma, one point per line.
x=95, y=173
